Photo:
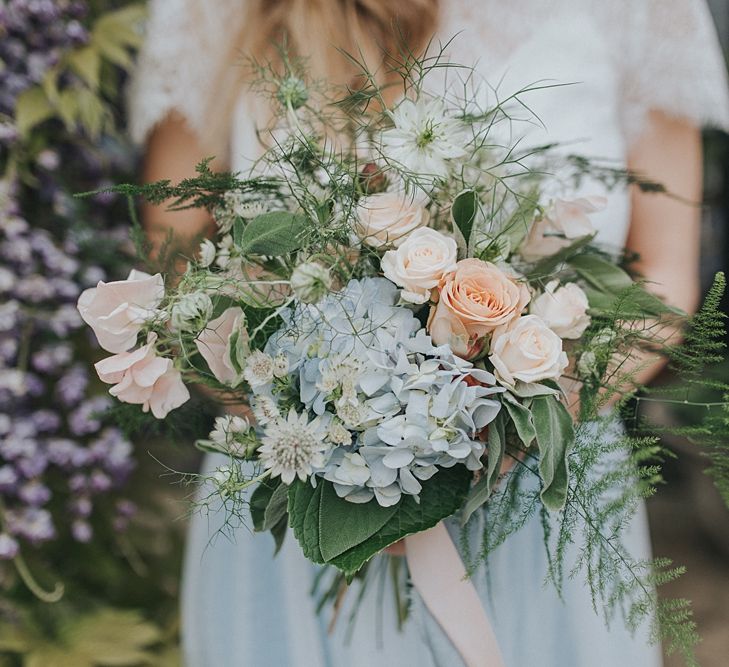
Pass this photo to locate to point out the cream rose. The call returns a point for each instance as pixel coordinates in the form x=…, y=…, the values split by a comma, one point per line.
x=386, y=218
x=143, y=378
x=563, y=309
x=219, y=346
x=116, y=311
x=563, y=222
x=474, y=300
x=420, y=263
x=527, y=350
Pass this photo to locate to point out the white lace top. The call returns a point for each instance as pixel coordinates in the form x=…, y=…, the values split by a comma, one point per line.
x=624, y=57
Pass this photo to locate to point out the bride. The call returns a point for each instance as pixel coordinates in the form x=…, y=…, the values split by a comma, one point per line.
x=645, y=73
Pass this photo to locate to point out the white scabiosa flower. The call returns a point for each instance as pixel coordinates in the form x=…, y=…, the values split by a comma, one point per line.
x=292, y=447
x=192, y=312
x=310, y=282
x=259, y=369
x=207, y=253
x=424, y=138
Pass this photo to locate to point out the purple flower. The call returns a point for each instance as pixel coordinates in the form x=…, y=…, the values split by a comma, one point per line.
x=71, y=387
x=46, y=421
x=99, y=481
x=32, y=467
x=33, y=524
x=14, y=447
x=78, y=482
x=8, y=547
x=65, y=453
x=8, y=478
x=81, y=506
x=81, y=531
x=52, y=357
x=85, y=419
x=34, y=493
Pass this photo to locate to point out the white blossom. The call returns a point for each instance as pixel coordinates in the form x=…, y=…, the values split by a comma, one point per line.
x=192, y=312
x=424, y=139
x=259, y=369
x=207, y=253
x=310, y=281
x=292, y=447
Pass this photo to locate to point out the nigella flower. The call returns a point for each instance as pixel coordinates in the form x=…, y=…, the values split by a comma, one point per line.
x=424, y=139
x=292, y=447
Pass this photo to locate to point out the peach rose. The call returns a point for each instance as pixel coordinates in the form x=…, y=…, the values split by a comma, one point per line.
x=563, y=309
x=386, y=218
x=527, y=350
x=216, y=345
x=143, y=378
x=116, y=311
x=563, y=222
x=420, y=262
x=475, y=299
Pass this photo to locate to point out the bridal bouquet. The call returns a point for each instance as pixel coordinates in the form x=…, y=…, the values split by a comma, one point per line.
x=409, y=312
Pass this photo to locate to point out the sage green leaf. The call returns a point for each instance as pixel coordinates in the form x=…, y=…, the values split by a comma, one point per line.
x=463, y=212
x=343, y=525
x=547, y=265
x=632, y=303
x=304, y=502
x=600, y=273
x=276, y=233
x=555, y=438
x=482, y=490
x=521, y=416
x=442, y=496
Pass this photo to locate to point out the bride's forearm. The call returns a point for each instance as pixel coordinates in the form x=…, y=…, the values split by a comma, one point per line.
x=173, y=151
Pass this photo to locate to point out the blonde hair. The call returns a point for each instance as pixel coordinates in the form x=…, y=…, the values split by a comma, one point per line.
x=318, y=30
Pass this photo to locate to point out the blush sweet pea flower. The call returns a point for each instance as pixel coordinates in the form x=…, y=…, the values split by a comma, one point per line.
x=144, y=378
x=420, y=263
x=218, y=345
x=474, y=300
x=386, y=218
x=563, y=222
x=117, y=310
x=527, y=350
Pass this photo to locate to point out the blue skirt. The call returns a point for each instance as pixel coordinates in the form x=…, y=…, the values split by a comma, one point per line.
x=242, y=607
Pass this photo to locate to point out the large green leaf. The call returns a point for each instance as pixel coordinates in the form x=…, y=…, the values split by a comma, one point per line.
x=354, y=522
x=315, y=520
x=481, y=491
x=463, y=212
x=304, y=502
x=276, y=233
x=555, y=438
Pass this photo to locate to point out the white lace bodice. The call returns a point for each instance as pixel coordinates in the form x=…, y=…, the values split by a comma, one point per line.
x=623, y=58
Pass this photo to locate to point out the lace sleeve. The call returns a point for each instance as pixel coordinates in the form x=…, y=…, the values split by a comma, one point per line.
x=673, y=63
x=187, y=61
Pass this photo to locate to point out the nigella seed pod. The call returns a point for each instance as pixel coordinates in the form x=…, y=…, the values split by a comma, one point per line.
x=292, y=92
